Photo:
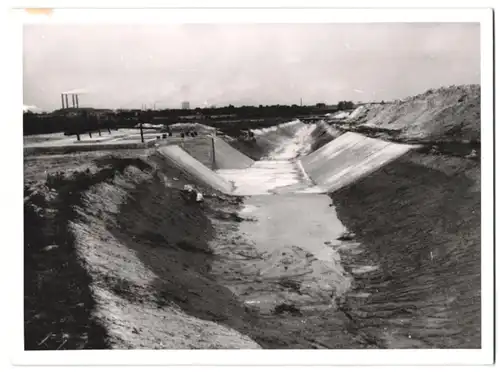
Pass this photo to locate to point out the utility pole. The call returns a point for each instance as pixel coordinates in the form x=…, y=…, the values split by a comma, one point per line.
x=78, y=122
x=141, y=120
x=86, y=120
x=214, y=166
x=98, y=122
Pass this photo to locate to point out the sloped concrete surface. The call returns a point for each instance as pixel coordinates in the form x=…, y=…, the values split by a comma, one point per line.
x=348, y=158
x=186, y=162
x=227, y=157
x=267, y=177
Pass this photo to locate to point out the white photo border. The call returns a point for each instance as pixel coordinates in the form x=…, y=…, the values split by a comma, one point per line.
x=255, y=357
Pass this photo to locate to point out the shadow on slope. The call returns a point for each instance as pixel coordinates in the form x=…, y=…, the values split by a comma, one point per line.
x=58, y=304
x=171, y=237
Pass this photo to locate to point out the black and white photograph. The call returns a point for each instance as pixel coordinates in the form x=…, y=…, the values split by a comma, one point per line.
x=244, y=185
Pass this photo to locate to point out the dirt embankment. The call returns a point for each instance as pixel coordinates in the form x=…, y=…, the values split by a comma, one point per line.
x=59, y=304
x=418, y=220
x=444, y=115
x=117, y=257
x=171, y=239
x=93, y=254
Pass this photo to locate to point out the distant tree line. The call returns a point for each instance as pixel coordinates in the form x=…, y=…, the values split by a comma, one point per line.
x=225, y=118
x=82, y=122
x=345, y=105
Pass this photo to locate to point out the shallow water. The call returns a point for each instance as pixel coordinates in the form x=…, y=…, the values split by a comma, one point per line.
x=405, y=283
x=290, y=237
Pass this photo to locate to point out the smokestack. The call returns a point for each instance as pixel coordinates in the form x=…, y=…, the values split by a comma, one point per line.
x=76, y=97
x=66, y=96
x=62, y=100
x=73, y=100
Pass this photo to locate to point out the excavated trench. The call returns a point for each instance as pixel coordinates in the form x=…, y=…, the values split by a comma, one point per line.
x=408, y=276
x=384, y=252
x=396, y=281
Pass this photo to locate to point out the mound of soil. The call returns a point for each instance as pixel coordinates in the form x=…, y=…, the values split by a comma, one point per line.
x=78, y=277
x=451, y=114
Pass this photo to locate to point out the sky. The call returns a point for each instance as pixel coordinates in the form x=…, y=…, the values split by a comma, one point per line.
x=127, y=66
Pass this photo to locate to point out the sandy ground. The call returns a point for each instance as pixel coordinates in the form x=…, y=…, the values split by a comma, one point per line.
x=444, y=114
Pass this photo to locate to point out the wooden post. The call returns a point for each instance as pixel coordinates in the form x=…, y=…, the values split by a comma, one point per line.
x=214, y=166
x=87, y=123
x=98, y=120
x=142, y=134
x=78, y=120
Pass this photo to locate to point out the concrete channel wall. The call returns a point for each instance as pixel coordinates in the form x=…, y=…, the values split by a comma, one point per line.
x=187, y=163
x=349, y=158
x=227, y=157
